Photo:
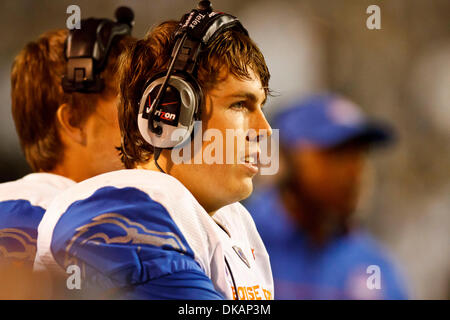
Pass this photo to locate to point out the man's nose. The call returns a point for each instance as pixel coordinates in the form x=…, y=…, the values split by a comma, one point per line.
x=260, y=128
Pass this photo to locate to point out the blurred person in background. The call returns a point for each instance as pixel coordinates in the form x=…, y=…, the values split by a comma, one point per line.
x=68, y=132
x=306, y=219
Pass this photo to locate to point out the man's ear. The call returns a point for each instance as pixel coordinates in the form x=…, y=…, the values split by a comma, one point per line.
x=67, y=129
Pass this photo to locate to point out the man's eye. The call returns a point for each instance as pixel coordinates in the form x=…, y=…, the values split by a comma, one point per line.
x=238, y=105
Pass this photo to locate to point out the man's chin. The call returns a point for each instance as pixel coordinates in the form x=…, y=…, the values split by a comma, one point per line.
x=246, y=189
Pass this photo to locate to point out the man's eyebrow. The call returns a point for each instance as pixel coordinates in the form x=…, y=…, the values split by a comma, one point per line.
x=248, y=96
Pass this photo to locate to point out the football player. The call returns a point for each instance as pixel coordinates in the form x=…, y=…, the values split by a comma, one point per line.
x=64, y=98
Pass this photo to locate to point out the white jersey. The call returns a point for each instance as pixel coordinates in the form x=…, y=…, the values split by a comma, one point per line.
x=128, y=227
x=22, y=205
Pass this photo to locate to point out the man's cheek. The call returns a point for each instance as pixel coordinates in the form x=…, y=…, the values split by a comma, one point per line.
x=235, y=144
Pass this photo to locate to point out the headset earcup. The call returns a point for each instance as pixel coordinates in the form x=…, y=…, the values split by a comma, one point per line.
x=175, y=114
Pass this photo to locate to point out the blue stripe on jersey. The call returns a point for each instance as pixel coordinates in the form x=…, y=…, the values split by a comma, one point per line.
x=121, y=237
x=19, y=220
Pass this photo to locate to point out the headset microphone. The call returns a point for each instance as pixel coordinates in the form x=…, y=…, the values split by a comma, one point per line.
x=125, y=15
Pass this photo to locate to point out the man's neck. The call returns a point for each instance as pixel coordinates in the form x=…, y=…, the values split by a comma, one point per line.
x=163, y=163
x=68, y=172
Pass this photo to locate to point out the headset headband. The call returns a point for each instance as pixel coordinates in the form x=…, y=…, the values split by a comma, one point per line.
x=196, y=30
x=87, y=50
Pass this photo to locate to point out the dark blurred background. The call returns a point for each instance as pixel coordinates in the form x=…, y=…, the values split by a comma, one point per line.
x=399, y=74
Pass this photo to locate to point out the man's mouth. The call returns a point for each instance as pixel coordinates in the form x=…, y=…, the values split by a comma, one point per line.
x=250, y=159
x=251, y=162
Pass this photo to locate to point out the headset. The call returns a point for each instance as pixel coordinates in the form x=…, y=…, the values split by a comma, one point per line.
x=87, y=49
x=171, y=101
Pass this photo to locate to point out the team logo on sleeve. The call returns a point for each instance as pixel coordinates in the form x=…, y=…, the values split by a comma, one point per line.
x=96, y=232
x=17, y=244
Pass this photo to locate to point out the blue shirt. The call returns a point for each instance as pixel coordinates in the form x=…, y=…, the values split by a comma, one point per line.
x=345, y=268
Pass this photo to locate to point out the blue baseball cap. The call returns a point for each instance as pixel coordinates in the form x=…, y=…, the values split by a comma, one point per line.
x=328, y=120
